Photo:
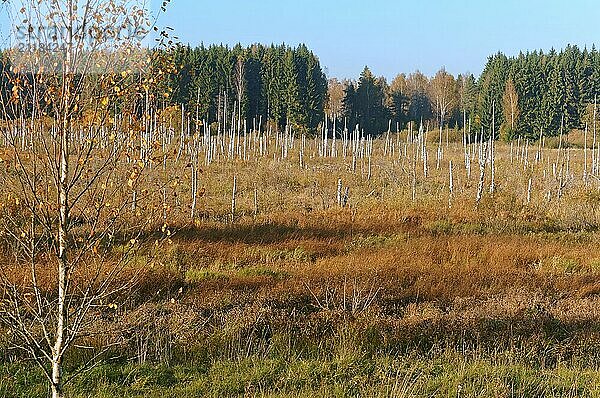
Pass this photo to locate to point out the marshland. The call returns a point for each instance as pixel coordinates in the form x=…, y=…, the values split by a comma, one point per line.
x=231, y=220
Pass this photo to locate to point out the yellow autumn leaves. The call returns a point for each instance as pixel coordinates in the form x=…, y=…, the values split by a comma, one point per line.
x=135, y=174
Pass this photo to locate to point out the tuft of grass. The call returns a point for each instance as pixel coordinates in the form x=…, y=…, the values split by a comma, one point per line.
x=194, y=275
x=561, y=265
x=297, y=254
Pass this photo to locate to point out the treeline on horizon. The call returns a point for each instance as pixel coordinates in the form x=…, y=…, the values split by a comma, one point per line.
x=276, y=83
x=526, y=95
x=228, y=87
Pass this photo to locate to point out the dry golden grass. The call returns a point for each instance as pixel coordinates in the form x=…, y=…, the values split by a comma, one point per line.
x=419, y=250
x=414, y=272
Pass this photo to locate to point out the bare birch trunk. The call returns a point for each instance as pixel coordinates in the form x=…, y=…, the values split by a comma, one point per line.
x=63, y=222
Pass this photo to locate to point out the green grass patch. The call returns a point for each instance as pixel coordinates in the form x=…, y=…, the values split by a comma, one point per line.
x=445, y=375
x=194, y=275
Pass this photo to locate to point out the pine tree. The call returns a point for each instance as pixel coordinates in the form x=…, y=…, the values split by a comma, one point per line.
x=467, y=92
x=349, y=106
x=293, y=106
x=254, y=84
x=491, y=85
x=316, y=92
x=370, y=103
x=399, y=100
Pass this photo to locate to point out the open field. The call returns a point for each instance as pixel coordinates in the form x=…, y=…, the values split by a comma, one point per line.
x=180, y=218
x=398, y=282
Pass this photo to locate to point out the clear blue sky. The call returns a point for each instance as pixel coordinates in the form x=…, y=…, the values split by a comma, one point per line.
x=391, y=36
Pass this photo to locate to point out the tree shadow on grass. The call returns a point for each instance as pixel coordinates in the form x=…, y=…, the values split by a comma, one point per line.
x=265, y=233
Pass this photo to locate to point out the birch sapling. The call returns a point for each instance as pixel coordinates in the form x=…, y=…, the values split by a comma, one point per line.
x=233, y=198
